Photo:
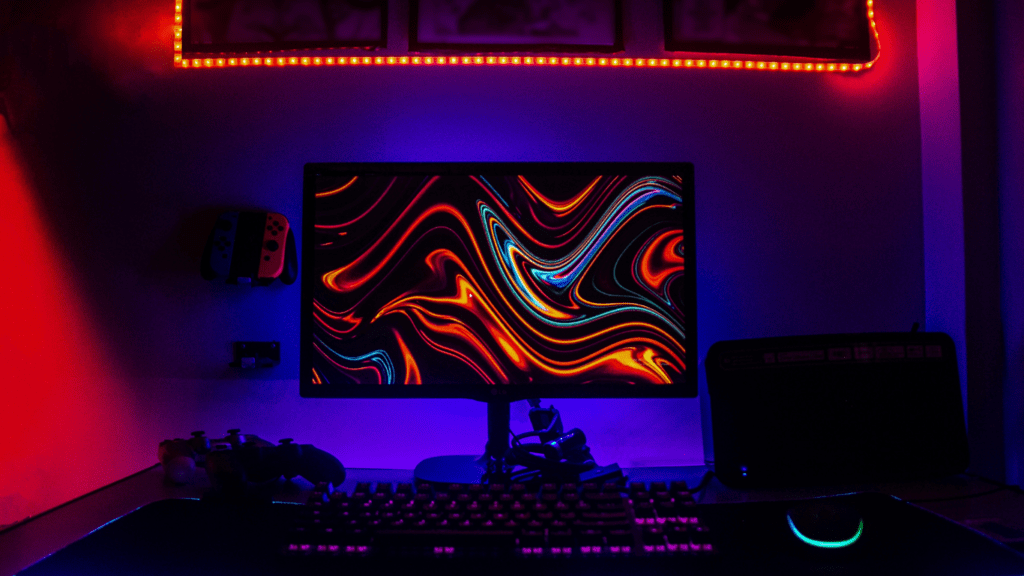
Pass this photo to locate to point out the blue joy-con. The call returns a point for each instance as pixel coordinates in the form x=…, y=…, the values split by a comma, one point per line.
x=220, y=247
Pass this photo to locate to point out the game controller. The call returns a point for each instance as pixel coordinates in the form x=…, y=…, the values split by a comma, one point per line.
x=272, y=255
x=251, y=248
x=233, y=471
x=241, y=460
x=180, y=457
x=219, y=247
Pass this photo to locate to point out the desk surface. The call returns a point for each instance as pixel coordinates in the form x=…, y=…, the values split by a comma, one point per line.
x=977, y=503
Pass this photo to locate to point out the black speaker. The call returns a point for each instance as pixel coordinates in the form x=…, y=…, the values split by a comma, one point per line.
x=835, y=409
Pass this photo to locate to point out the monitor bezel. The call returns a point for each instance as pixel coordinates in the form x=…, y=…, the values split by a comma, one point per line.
x=685, y=389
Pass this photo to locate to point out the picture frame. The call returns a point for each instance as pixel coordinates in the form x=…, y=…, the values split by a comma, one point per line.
x=248, y=26
x=827, y=29
x=573, y=26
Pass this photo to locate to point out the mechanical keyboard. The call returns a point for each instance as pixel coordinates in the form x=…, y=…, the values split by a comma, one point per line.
x=524, y=520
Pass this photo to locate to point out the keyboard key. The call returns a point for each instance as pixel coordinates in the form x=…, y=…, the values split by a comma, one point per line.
x=623, y=523
x=700, y=535
x=644, y=510
x=446, y=537
x=665, y=509
x=561, y=537
x=653, y=535
x=678, y=534
x=620, y=537
x=602, y=498
x=532, y=537
x=591, y=537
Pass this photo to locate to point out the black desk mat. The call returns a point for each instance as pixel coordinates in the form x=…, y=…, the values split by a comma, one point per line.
x=178, y=537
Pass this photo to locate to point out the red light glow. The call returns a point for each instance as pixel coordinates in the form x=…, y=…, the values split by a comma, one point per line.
x=60, y=409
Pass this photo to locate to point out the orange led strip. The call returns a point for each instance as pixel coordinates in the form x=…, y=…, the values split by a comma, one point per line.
x=181, y=61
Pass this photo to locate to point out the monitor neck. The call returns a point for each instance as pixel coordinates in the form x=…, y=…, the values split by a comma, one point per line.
x=499, y=415
x=472, y=469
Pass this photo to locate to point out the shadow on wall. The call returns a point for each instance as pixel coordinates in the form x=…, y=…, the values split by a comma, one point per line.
x=88, y=145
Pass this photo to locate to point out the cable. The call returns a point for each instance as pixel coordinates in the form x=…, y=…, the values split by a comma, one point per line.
x=531, y=434
x=704, y=481
x=558, y=456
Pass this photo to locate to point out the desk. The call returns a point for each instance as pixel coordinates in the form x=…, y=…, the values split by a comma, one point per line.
x=974, y=502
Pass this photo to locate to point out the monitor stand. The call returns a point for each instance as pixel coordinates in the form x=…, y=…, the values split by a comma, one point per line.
x=472, y=469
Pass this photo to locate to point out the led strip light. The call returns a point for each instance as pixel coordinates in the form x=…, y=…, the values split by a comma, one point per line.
x=181, y=61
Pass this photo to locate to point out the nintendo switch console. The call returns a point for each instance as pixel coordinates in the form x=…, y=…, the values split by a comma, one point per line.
x=251, y=248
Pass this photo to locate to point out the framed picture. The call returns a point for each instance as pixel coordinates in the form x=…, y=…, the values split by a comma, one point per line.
x=516, y=25
x=227, y=26
x=833, y=29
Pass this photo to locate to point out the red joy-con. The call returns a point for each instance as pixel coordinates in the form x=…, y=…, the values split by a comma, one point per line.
x=272, y=254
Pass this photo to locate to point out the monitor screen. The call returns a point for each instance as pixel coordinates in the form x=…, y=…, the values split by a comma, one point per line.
x=498, y=281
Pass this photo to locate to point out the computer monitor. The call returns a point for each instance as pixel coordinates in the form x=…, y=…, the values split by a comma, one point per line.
x=498, y=282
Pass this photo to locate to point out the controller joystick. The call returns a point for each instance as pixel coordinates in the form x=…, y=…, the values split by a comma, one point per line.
x=178, y=459
x=199, y=442
x=234, y=437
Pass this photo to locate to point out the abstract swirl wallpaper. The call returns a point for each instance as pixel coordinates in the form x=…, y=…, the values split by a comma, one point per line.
x=551, y=278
